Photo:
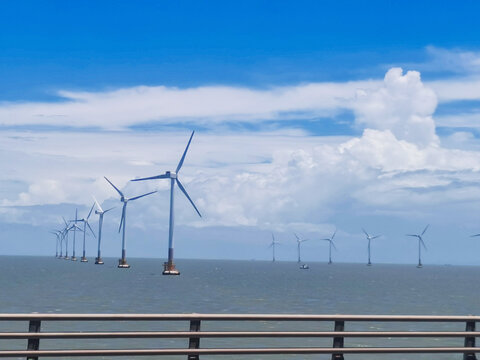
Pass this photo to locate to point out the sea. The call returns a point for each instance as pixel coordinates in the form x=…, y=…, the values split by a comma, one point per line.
x=50, y=285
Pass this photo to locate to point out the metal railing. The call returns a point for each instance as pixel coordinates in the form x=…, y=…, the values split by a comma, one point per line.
x=194, y=335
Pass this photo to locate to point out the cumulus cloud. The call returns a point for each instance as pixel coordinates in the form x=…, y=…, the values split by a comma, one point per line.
x=403, y=105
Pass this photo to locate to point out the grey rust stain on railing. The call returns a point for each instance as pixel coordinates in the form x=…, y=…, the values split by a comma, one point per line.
x=193, y=352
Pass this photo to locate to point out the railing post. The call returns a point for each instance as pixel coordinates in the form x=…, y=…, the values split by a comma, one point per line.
x=470, y=341
x=194, y=341
x=33, y=344
x=338, y=340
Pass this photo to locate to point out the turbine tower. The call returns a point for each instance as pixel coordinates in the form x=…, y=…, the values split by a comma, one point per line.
x=330, y=245
x=169, y=266
x=272, y=245
x=66, y=230
x=299, y=242
x=420, y=244
x=85, y=224
x=122, y=263
x=369, y=238
x=74, y=258
x=100, y=212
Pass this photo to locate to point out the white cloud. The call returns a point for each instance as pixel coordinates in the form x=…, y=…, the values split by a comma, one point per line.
x=210, y=105
x=403, y=105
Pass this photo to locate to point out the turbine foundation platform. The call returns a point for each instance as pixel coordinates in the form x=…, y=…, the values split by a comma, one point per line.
x=66, y=258
x=419, y=266
x=122, y=264
x=369, y=264
x=74, y=258
x=99, y=261
x=84, y=259
x=169, y=269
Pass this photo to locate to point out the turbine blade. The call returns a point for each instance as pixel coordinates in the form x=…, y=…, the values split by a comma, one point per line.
x=188, y=197
x=413, y=235
x=121, y=194
x=138, y=197
x=65, y=221
x=298, y=239
x=333, y=245
x=91, y=229
x=426, y=227
x=98, y=205
x=123, y=215
x=163, y=176
x=179, y=166
x=423, y=243
x=109, y=209
x=374, y=237
x=475, y=235
x=91, y=209
x=334, y=234
x=365, y=232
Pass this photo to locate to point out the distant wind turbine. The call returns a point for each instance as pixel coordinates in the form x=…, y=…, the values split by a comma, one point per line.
x=330, y=245
x=74, y=258
x=57, y=240
x=369, y=238
x=85, y=225
x=169, y=266
x=420, y=243
x=122, y=263
x=272, y=245
x=299, y=242
x=100, y=212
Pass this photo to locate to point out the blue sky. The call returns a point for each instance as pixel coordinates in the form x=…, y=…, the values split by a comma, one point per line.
x=304, y=122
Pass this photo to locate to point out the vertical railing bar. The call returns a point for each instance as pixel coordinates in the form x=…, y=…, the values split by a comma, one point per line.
x=33, y=344
x=338, y=340
x=469, y=341
x=194, y=341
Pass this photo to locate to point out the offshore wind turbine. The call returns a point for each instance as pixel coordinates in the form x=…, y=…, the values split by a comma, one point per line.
x=330, y=245
x=122, y=263
x=369, y=238
x=299, y=242
x=100, y=212
x=66, y=230
x=85, y=224
x=55, y=232
x=74, y=258
x=169, y=266
x=420, y=243
x=272, y=245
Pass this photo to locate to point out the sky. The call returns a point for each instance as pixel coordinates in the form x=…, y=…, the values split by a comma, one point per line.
x=310, y=117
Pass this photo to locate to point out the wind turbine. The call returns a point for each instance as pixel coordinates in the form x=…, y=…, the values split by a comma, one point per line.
x=169, y=266
x=56, y=232
x=299, y=241
x=122, y=263
x=330, y=245
x=369, y=238
x=420, y=243
x=100, y=212
x=85, y=224
x=65, y=231
x=272, y=245
x=75, y=227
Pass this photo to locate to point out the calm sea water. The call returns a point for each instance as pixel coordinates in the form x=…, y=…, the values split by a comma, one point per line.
x=41, y=284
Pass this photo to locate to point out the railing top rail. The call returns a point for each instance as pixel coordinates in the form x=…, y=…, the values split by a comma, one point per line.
x=234, y=317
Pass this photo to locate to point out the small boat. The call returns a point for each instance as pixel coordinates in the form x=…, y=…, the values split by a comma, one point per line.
x=304, y=267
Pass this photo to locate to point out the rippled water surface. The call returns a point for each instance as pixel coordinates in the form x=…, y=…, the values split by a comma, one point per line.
x=40, y=284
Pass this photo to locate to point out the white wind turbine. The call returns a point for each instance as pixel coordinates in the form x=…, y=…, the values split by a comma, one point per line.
x=330, y=245
x=299, y=242
x=169, y=266
x=122, y=263
x=272, y=245
x=66, y=230
x=85, y=224
x=369, y=238
x=100, y=212
x=57, y=240
x=420, y=243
